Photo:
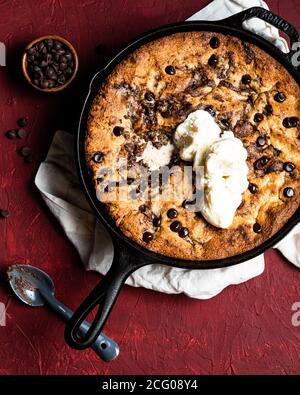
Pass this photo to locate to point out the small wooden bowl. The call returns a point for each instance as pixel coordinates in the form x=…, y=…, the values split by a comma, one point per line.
x=25, y=63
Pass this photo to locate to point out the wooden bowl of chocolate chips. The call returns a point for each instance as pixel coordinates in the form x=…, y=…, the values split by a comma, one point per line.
x=50, y=63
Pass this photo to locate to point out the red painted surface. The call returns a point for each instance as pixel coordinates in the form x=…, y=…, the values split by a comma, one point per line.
x=246, y=329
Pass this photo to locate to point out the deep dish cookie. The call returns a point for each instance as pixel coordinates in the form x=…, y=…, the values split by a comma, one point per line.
x=152, y=91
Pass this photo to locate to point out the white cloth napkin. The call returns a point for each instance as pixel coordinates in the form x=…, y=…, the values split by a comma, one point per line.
x=58, y=183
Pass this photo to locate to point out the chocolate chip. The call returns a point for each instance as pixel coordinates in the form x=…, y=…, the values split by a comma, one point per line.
x=294, y=121
x=253, y=188
x=261, y=163
x=156, y=221
x=289, y=166
x=11, y=134
x=21, y=133
x=290, y=122
x=4, y=213
x=175, y=226
x=210, y=110
x=172, y=213
x=268, y=109
x=288, y=192
x=183, y=232
x=142, y=208
x=97, y=157
x=286, y=123
x=246, y=79
x=280, y=97
x=147, y=237
x=22, y=122
x=213, y=60
x=118, y=130
x=170, y=70
x=214, y=42
x=28, y=158
x=24, y=151
x=225, y=123
x=258, y=117
x=149, y=96
x=257, y=227
x=261, y=141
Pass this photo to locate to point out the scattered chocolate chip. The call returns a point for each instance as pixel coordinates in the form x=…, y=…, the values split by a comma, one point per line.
x=288, y=192
x=147, y=237
x=28, y=158
x=142, y=208
x=246, y=79
x=253, y=188
x=289, y=166
x=261, y=141
x=257, y=227
x=156, y=221
x=183, y=232
x=172, y=213
x=21, y=133
x=261, y=163
x=99, y=180
x=4, y=213
x=11, y=134
x=214, y=42
x=97, y=157
x=213, y=60
x=280, y=97
x=210, y=110
x=118, y=130
x=22, y=122
x=258, y=117
x=170, y=70
x=24, y=151
x=175, y=226
x=268, y=109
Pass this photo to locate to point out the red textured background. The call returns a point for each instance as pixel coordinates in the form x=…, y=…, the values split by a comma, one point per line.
x=246, y=329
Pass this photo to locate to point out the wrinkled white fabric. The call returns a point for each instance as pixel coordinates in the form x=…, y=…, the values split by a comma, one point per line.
x=58, y=183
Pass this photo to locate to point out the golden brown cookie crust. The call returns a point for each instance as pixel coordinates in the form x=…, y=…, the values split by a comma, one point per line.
x=195, y=85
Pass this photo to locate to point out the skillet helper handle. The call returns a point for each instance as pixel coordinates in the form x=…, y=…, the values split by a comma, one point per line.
x=106, y=348
x=274, y=20
x=102, y=298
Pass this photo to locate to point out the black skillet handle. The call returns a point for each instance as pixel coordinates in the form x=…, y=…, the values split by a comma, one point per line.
x=274, y=20
x=103, y=296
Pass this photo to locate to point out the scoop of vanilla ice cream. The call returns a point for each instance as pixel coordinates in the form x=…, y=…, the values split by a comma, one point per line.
x=195, y=135
x=225, y=179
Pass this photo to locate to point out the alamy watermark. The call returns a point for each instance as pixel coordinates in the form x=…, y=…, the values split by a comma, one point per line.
x=296, y=56
x=296, y=315
x=2, y=314
x=127, y=183
x=2, y=54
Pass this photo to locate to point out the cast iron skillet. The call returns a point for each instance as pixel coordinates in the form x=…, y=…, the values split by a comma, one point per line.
x=128, y=255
